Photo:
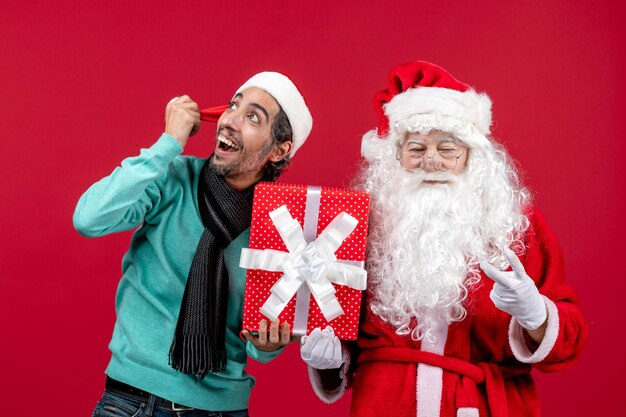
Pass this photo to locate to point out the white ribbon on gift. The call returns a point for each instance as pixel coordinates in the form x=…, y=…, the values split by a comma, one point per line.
x=313, y=264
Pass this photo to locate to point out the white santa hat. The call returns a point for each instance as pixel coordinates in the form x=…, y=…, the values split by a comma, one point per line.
x=421, y=97
x=291, y=101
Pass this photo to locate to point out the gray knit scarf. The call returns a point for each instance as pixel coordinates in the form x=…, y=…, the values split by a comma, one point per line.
x=199, y=340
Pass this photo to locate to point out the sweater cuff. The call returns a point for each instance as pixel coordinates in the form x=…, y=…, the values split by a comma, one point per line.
x=261, y=355
x=167, y=146
x=518, y=344
x=315, y=377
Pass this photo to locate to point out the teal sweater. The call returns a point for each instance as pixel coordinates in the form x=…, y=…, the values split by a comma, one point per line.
x=157, y=191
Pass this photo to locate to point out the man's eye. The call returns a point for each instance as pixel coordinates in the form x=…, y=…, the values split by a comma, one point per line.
x=232, y=105
x=254, y=118
x=416, y=151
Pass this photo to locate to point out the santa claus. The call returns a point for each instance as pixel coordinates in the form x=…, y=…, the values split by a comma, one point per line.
x=467, y=292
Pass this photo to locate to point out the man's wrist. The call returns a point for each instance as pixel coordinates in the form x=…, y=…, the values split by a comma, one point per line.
x=180, y=139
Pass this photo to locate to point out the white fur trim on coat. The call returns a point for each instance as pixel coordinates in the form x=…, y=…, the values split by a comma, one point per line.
x=330, y=397
x=467, y=412
x=518, y=344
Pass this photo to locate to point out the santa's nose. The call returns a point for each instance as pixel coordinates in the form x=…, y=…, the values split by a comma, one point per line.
x=428, y=163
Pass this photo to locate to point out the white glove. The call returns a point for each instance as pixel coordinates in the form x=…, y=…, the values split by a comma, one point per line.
x=321, y=349
x=516, y=293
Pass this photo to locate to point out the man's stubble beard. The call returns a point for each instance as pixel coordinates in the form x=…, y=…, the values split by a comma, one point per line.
x=245, y=163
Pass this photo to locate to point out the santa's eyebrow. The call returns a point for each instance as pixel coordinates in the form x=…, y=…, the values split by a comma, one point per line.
x=416, y=141
x=445, y=139
x=450, y=139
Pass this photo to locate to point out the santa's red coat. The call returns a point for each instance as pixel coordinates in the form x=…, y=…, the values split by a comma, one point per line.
x=490, y=351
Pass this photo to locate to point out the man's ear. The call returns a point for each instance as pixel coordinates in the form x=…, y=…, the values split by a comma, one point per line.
x=281, y=151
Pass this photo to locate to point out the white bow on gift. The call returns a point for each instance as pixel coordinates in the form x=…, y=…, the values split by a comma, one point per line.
x=314, y=264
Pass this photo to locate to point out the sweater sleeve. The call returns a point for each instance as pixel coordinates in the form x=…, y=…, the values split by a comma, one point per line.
x=566, y=332
x=121, y=200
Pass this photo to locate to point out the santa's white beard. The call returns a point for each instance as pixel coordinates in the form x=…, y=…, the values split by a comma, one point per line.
x=425, y=243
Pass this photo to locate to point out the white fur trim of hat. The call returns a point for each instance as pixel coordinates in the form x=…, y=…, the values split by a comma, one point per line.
x=290, y=100
x=441, y=109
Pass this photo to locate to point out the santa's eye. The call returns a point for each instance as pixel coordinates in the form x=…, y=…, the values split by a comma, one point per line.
x=232, y=105
x=254, y=118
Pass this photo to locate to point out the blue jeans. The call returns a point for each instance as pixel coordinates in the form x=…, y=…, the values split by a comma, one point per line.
x=114, y=404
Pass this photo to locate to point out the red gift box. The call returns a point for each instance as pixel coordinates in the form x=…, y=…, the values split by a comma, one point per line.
x=310, y=240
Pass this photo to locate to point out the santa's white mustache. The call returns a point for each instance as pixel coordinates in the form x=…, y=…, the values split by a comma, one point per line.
x=419, y=177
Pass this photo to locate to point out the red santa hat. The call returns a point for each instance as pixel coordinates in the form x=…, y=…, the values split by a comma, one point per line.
x=288, y=97
x=421, y=97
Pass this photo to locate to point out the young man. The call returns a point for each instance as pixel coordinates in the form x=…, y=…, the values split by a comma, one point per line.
x=447, y=331
x=176, y=345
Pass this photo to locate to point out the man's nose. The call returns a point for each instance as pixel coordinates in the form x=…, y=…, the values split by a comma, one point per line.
x=232, y=119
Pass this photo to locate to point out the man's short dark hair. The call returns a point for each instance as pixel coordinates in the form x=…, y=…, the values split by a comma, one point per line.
x=281, y=132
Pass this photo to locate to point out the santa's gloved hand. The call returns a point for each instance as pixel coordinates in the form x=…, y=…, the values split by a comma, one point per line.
x=321, y=349
x=516, y=293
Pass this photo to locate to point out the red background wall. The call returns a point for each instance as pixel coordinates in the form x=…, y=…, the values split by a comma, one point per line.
x=83, y=86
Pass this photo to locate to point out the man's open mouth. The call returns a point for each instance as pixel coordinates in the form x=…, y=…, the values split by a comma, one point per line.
x=226, y=144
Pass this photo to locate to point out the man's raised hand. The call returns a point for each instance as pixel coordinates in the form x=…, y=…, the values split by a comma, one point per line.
x=182, y=119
